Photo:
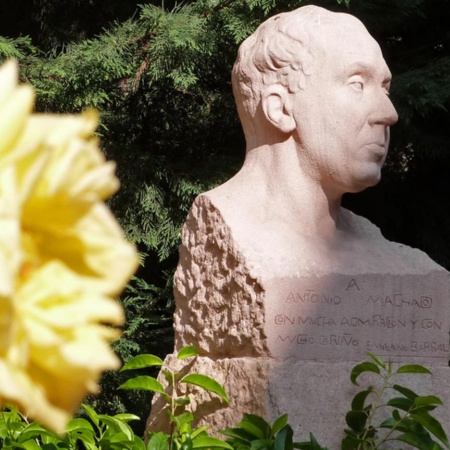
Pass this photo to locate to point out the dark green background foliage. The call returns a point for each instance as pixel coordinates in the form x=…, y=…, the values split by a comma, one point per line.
x=160, y=76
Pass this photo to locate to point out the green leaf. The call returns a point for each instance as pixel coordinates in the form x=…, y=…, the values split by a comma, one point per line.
x=91, y=413
x=169, y=376
x=207, y=383
x=33, y=431
x=255, y=432
x=279, y=424
x=405, y=425
x=186, y=443
x=76, y=424
x=314, y=444
x=138, y=444
x=88, y=439
x=396, y=415
x=361, y=368
x=33, y=426
x=377, y=359
x=351, y=442
x=360, y=398
x=420, y=441
x=303, y=445
x=182, y=419
x=185, y=428
x=431, y=424
x=199, y=431
x=159, y=441
x=141, y=361
x=117, y=426
x=388, y=423
x=428, y=400
x=145, y=383
x=119, y=437
x=210, y=442
x=405, y=391
x=262, y=444
x=125, y=417
x=413, y=368
x=187, y=351
x=255, y=425
x=356, y=420
x=28, y=445
x=284, y=439
x=239, y=435
x=181, y=401
x=405, y=404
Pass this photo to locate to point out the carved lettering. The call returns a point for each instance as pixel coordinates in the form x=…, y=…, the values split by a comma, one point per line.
x=353, y=284
x=313, y=297
x=319, y=321
x=413, y=346
x=345, y=319
x=398, y=301
x=375, y=321
x=429, y=324
x=300, y=339
x=339, y=340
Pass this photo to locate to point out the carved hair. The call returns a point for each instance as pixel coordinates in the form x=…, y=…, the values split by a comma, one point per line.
x=278, y=52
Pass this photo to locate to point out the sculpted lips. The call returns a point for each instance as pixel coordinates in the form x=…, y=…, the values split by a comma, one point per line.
x=377, y=150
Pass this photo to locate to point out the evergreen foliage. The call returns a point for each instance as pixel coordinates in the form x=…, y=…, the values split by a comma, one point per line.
x=160, y=76
x=17, y=48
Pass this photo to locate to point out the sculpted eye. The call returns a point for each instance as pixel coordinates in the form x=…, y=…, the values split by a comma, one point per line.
x=357, y=85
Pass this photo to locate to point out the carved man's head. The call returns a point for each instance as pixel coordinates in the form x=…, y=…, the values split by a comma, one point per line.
x=278, y=52
x=319, y=77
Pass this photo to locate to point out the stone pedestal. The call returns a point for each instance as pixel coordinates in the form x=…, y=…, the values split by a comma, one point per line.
x=316, y=395
x=282, y=334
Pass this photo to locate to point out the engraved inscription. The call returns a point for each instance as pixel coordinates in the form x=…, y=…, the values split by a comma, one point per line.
x=399, y=301
x=344, y=317
x=311, y=296
x=352, y=284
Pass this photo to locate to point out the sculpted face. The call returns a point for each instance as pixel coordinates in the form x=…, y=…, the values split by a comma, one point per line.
x=343, y=113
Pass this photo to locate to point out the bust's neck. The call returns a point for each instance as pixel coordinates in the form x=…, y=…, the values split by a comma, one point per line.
x=287, y=190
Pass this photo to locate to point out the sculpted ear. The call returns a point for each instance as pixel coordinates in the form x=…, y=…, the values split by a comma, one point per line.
x=276, y=104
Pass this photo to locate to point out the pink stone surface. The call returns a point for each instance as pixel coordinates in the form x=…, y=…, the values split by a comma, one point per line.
x=342, y=317
x=279, y=287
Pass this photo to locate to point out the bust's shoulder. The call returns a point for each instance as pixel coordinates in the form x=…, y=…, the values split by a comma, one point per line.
x=393, y=256
x=358, y=225
x=226, y=193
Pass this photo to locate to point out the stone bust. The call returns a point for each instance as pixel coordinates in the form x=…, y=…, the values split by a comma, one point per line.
x=275, y=279
x=312, y=91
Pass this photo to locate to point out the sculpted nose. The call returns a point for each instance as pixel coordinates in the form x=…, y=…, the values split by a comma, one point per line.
x=384, y=113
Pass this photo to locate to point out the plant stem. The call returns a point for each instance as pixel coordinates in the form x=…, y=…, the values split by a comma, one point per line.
x=172, y=410
x=397, y=423
x=386, y=376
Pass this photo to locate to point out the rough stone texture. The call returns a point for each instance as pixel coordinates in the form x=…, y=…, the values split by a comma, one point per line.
x=244, y=379
x=219, y=301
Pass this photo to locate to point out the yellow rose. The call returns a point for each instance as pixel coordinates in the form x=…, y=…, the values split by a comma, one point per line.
x=63, y=258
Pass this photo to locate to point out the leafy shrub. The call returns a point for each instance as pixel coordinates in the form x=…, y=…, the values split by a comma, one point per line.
x=411, y=421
